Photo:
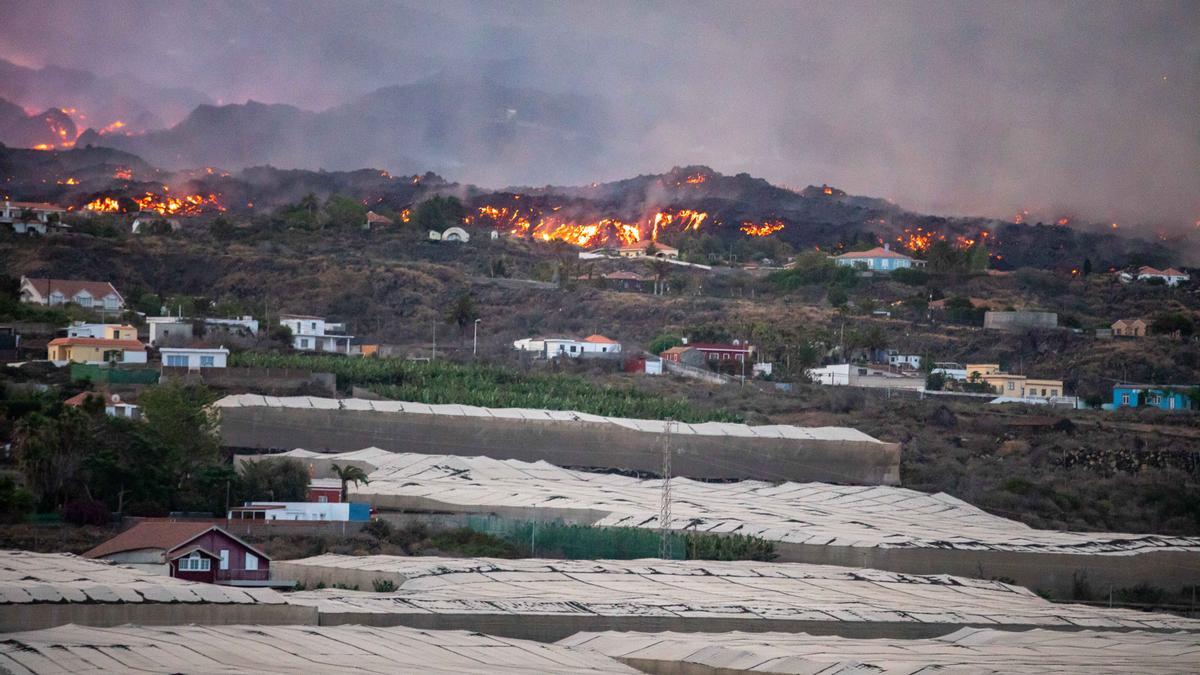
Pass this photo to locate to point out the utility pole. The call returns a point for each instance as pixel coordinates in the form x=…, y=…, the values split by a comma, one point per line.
x=664, y=513
x=475, y=339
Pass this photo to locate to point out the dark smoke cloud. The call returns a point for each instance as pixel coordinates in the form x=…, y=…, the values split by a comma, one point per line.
x=1089, y=108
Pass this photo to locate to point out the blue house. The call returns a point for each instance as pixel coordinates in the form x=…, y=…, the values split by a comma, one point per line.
x=880, y=258
x=1163, y=396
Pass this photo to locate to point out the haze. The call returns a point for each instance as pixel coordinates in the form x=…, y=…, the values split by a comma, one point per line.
x=1087, y=108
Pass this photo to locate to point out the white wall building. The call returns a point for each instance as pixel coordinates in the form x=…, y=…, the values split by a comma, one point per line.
x=314, y=334
x=855, y=375
x=899, y=360
x=551, y=347
x=246, y=323
x=99, y=295
x=44, y=216
x=163, y=327
x=194, y=358
x=327, y=511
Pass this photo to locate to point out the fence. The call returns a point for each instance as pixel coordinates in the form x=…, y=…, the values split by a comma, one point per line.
x=90, y=372
x=578, y=542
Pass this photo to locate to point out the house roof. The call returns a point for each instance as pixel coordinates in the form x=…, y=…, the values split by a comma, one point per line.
x=301, y=316
x=39, y=206
x=645, y=244
x=1161, y=387
x=1169, y=272
x=599, y=339
x=622, y=275
x=877, y=252
x=167, y=535
x=71, y=287
x=109, y=398
x=193, y=350
x=678, y=350
x=162, y=534
x=717, y=346
x=131, y=345
x=373, y=217
x=179, y=553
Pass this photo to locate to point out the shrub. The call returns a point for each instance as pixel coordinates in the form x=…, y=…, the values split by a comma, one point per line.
x=910, y=276
x=15, y=501
x=378, y=528
x=383, y=585
x=84, y=511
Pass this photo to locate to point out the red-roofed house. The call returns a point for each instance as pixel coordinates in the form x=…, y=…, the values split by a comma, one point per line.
x=376, y=220
x=1170, y=276
x=880, y=258
x=96, y=350
x=712, y=351
x=644, y=249
x=91, y=294
x=195, y=551
x=113, y=405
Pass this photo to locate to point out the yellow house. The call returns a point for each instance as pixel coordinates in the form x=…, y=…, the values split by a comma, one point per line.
x=114, y=331
x=1035, y=388
x=1004, y=384
x=96, y=350
x=984, y=369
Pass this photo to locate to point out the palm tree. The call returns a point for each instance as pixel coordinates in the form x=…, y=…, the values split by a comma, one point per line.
x=349, y=474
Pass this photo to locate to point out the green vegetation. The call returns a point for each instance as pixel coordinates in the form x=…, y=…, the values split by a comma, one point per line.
x=486, y=385
x=280, y=479
x=438, y=213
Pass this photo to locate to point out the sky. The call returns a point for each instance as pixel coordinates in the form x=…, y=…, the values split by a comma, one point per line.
x=1083, y=108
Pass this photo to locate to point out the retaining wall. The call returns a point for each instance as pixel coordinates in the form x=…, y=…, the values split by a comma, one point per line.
x=34, y=616
x=570, y=444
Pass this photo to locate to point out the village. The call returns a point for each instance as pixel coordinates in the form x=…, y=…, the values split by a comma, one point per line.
x=501, y=338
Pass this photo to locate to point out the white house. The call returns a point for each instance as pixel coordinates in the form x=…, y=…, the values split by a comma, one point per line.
x=98, y=295
x=898, y=360
x=551, y=347
x=163, y=327
x=194, y=358
x=950, y=370
x=881, y=258
x=854, y=375
x=103, y=331
x=319, y=511
x=113, y=405
x=313, y=334
x=1170, y=276
x=30, y=217
x=243, y=323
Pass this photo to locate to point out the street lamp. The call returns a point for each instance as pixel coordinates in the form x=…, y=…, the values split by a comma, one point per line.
x=475, y=339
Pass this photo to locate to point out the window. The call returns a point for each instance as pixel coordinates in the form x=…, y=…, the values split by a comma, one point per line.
x=323, y=499
x=314, y=326
x=194, y=562
x=176, y=361
x=224, y=558
x=251, y=561
x=207, y=362
x=1171, y=402
x=1125, y=399
x=1012, y=386
x=572, y=349
x=304, y=343
x=83, y=300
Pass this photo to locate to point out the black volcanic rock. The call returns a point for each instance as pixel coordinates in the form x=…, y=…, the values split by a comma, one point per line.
x=52, y=127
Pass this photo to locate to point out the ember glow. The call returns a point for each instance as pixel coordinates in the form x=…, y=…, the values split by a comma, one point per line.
x=919, y=240
x=762, y=229
x=695, y=179
x=103, y=205
x=123, y=173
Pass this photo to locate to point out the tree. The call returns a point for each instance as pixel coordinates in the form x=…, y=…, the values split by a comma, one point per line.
x=1171, y=323
x=51, y=452
x=345, y=212
x=1087, y=266
x=462, y=312
x=177, y=421
x=837, y=296
x=349, y=474
x=664, y=342
x=280, y=479
x=221, y=228
x=438, y=213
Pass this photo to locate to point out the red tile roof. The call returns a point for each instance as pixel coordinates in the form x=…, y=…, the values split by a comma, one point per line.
x=877, y=252
x=131, y=345
x=1169, y=272
x=71, y=287
x=599, y=339
x=158, y=534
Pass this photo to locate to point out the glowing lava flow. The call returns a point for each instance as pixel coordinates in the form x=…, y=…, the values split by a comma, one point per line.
x=762, y=229
x=103, y=205
x=531, y=222
x=187, y=205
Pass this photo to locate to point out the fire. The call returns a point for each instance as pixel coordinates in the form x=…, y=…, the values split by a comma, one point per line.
x=69, y=181
x=551, y=226
x=828, y=190
x=115, y=126
x=406, y=215
x=103, y=205
x=188, y=205
x=1064, y=221
x=763, y=229
x=695, y=179
x=919, y=240
x=123, y=173
x=43, y=146
x=1020, y=217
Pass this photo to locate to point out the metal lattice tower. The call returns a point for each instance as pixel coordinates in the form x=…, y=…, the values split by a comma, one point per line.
x=664, y=513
